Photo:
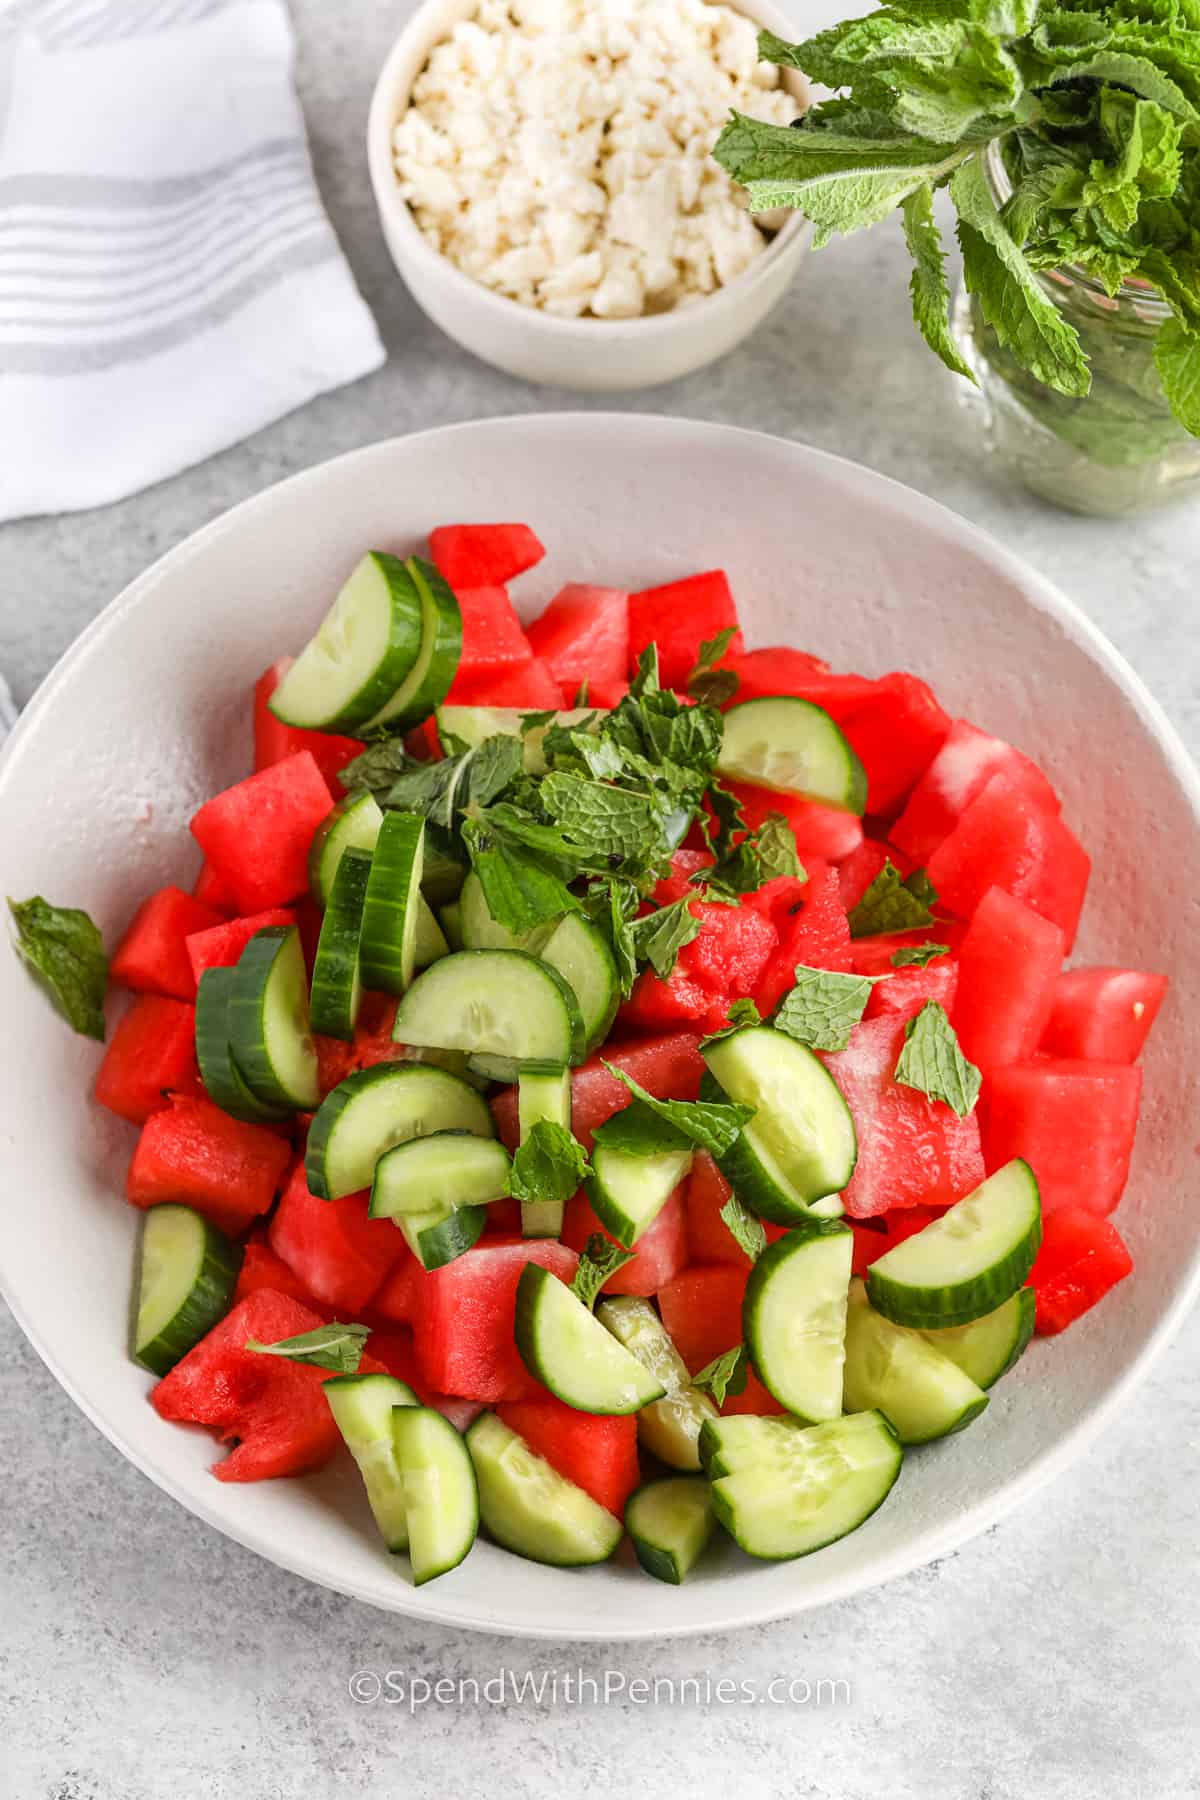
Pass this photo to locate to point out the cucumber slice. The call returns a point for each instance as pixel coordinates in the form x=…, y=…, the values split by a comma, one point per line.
x=223, y=1080
x=441, y=1495
x=336, y=981
x=354, y=824
x=968, y=1262
x=670, y=1524
x=431, y=939
x=801, y=1145
x=363, y=651
x=441, y=1234
x=669, y=1428
x=428, y=680
x=450, y=919
x=449, y=1169
x=796, y=1488
x=794, y=1317
x=832, y=1207
x=269, y=1031
x=377, y=1108
x=493, y=1003
x=472, y=725
x=628, y=1192
x=566, y=1347
x=186, y=1276
x=578, y=951
x=504, y=1069
x=389, y=926
x=988, y=1348
x=921, y=1393
x=793, y=747
x=530, y=1508
x=481, y=932
x=543, y=1096
x=362, y=1407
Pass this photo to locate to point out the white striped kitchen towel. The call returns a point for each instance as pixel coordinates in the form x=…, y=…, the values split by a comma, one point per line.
x=169, y=282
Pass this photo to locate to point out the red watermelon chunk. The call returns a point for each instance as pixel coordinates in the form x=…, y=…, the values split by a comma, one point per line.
x=753, y=1398
x=669, y=1067
x=679, y=617
x=598, y=1454
x=261, y=1268
x=274, y=741
x=857, y=872
x=257, y=835
x=583, y=635
x=659, y=1253
x=702, y=1311
x=906, y=991
x=398, y=1298
x=709, y=1239
x=194, y=1153
x=342, y=1256
x=220, y=946
x=1006, y=838
x=478, y=556
x=762, y=674
x=463, y=1329
x=896, y=731
x=684, y=864
x=394, y=1349
x=957, y=775
x=150, y=1056
x=730, y=952
x=493, y=641
x=272, y=1407
x=214, y=891
x=152, y=956
x=820, y=831
x=873, y=955
x=1073, y=1122
x=1103, y=1015
x=529, y=684
x=661, y=1005
x=1081, y=1258
x=1008, y=964
x=912, y=1151
x=813, y=931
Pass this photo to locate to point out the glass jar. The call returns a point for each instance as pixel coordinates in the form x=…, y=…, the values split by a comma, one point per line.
x=1121, y=449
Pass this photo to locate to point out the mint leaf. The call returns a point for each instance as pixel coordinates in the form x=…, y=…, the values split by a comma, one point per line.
x=745, y=1230
x=823, y=1008
x=708, y=683
x=379, y=767
x=932, y=1062
x=891, y=904
x=762, y=855
x=549, y=1165
x=928, y=285
x=727, y=811
x=603, y=820
x=1177, y=358
x=522, y=891
x=601, y=1259
x=64, y=953
x=724, y=1375
x=917, y=956
x=920, y=887
x=335, y=1347
x=658, y=937
x=648, y=1125
x=741, y=1014
x=610, y=904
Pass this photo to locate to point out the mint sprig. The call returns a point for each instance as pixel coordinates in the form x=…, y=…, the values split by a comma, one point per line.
x=600, y=1260
x=933, y=1063
x=892, y=904
x=548, y=1166
x=648, y=1126
x=335, y=1347
x=823, y=1007
x=64, y=952
x=724, y=1375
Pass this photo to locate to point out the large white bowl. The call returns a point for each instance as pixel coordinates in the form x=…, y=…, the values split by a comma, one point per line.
x=149, y=713
x=592, y=355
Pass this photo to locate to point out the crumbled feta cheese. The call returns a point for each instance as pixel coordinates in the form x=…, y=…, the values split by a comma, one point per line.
x=558, y=151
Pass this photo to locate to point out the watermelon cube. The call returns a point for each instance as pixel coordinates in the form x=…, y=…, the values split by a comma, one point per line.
x=398, y=1298
x=912, y=1151
x=659, y=1254
x=274, y=741
x=702, y=1311
x=214, y=891
x=528, y=684
x=906, y=991
x=598, y=1454
x=824, y=832
x=150, y=1056
x=1081, y=1258
x=261, y=1268
x=730, y=952
x=393, y=1348
x=463, y=1329
x=679, y=617
x=858, y=871
x=896, y=730
x=781, y=670
x=152, y=957
x=583, y=635
x=1073, y=1122
x=272, y=1408
x=1007, y=838
x=220, y=946
x=684, y=864
x=478, y=556
x=342, y=1256
x=814, y=932
x=1103, y=1015
x=194, y=1153
x=753, y=1398
x=257, y=835
x=669, y=1067
x=1008, y=963
x=493, y=641
x=957, y=775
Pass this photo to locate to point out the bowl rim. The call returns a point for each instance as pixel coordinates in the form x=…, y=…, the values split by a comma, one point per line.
x=792, y=237
x=941, y=1537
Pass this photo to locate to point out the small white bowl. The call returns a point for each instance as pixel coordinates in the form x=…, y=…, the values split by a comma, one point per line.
x=592, y=355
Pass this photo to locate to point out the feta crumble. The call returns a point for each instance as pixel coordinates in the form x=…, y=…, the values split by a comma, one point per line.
x=558, y=151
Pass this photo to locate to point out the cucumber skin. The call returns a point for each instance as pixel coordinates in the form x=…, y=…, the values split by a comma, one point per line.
x=223, y=1081
x=334, y=1105
x=336, y=986
x=199, y=1312
x=450, y=1238
x=441, y=614
x=776, y=1256
x=247, y=1001
x=657, y=1560
x=320, y=881
x=404, y=642
x=385, y=956
x=965, y=1301
x=530, y=1289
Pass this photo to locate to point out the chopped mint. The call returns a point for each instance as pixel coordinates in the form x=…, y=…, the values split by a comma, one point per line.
x=917, y=956
x=823, y=1007
x=549, y=1165
x=740, y=1014
x=658, y=937
x=745, y=1230
x=64, y=952
x=932, y=1062
x=724, y=1375
x=891, y=904
x=715, y=687
x=601, y=1259
x=763, y=854
x=335, y=1347
x=648, y=1126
